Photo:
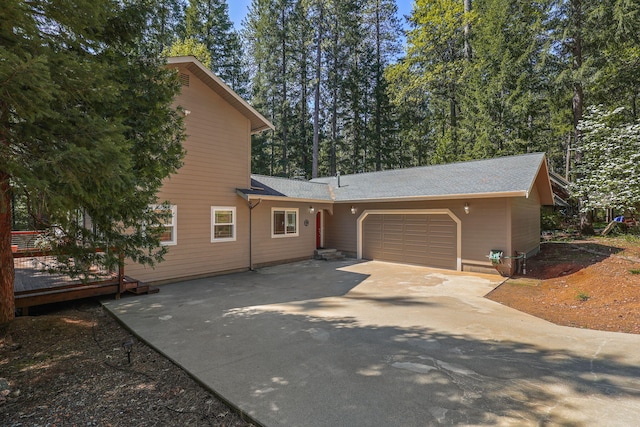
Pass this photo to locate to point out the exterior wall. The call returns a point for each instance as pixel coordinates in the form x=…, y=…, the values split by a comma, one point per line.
x=525, y=224
x=486, y=226
x=267, y=250
x=217, y=162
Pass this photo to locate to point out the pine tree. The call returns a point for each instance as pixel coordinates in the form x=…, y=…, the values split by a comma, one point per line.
x=503, y=109
x=434, y=63
x=70, y=141
x=207, y=21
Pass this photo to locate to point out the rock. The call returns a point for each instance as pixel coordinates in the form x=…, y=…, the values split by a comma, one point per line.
x=4, y=385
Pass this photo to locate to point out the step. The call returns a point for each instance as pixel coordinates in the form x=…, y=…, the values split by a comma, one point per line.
x=143, y=289
x=328, y=254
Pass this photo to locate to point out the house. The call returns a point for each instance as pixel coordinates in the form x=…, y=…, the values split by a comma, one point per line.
x=224, y=219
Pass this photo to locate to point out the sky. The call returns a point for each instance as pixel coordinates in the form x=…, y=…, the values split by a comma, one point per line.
x=238, y=10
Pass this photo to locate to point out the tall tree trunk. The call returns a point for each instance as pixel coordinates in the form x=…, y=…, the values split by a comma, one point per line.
x=7, y=273
x=378, y=95
x=316, y=100
x=7, y=303
x=586, y=218
x=467, y=30
x=285, y=162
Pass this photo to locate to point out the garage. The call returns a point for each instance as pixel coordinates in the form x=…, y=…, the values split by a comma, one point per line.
x=428, y=239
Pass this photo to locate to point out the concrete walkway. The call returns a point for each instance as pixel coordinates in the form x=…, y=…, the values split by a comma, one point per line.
x=375, y=344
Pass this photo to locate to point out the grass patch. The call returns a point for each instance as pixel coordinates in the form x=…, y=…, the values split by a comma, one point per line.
x=583, y=296
x=635, y=271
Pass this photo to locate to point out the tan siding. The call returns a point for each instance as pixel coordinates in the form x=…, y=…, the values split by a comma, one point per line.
x=483, y=229
x=267, y=249
x=218, y=149
x=525, y=223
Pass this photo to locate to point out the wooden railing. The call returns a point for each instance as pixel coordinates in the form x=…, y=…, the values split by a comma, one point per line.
x=32, y=264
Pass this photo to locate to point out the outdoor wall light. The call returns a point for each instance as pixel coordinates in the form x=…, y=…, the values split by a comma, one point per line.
x=466, y=208
x=311, y=209
x=353, y=210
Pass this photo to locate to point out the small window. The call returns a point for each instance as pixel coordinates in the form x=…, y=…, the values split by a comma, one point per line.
x=223, y=224
x=169, y=236
x=284, y=222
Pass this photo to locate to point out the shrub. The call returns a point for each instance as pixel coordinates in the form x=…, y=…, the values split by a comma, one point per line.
x=582, y=296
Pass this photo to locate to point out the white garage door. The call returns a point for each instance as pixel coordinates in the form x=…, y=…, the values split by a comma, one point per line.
x=420, y=239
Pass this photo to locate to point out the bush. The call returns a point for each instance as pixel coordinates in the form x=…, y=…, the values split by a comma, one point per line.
x=550, y=219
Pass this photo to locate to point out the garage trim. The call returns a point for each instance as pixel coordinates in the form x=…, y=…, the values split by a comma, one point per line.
x=448, y=212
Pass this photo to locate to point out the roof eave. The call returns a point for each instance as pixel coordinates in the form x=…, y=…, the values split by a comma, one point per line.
x=250, y=197
x=438, y=197
x=547, y=197
x=258, y=122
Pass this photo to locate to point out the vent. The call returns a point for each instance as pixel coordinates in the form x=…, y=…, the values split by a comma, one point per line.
x=184, y=79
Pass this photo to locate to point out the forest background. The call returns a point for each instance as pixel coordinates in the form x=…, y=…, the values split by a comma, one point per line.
x=351, y=88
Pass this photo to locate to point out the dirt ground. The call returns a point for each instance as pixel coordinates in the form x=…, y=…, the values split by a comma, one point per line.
x=69, y=367
x=592, y=283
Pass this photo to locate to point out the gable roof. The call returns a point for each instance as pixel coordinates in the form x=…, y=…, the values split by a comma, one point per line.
x=513, y=176
x=258, y=122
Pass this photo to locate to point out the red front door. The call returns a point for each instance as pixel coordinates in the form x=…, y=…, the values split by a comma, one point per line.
x=319, y=230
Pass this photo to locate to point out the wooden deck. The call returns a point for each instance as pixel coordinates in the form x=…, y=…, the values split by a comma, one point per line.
x=34, y=285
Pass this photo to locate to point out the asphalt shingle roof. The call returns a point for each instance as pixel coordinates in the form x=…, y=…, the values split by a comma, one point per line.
x=283, y=187
x=501, y=175
x=510, y=175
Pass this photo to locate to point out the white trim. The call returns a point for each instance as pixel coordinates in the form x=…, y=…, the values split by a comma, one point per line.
x=213, y=223
x=448, y=212
x=286, y=212
x=173, y=225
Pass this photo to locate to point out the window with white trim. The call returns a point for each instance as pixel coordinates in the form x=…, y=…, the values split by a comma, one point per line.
x=169, y=236
x=223, y=224
x=284, y=222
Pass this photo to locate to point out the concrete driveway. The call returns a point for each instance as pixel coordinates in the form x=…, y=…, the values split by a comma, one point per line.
x=376, y=344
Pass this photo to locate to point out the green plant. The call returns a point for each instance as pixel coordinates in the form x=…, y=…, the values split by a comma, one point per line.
x=635, y=271
x=550, y=219
x=583, y=296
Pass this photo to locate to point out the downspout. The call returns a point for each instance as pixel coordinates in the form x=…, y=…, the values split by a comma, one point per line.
x=251, y=206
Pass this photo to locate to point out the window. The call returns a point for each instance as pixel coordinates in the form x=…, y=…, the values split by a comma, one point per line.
x=284, y=222
x=223, y=224
x=169, y=236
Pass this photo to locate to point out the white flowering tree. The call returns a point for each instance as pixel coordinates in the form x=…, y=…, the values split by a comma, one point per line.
x=608, y=174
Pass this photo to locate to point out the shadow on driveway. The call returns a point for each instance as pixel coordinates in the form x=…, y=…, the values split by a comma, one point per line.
x=327, y=344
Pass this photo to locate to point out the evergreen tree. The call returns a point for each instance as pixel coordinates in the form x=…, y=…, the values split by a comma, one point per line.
x=207, y=21
x=435, y=63
x=86, y=129
x=503, y=107
x=164, y=25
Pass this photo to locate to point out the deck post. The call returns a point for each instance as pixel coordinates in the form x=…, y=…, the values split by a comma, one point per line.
x=120, y=276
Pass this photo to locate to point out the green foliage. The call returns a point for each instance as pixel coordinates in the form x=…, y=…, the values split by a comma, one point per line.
x=356, y=124
x=583, y=296
x=190, y=47
x=550, y=219
x=87, y=128
x=635, y=271
x=609, y=169
x=207, y=23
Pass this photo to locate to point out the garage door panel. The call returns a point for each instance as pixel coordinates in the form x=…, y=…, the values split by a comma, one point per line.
x=422, y=239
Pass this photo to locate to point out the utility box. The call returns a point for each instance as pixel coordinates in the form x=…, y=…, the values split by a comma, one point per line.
x=495, y=256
